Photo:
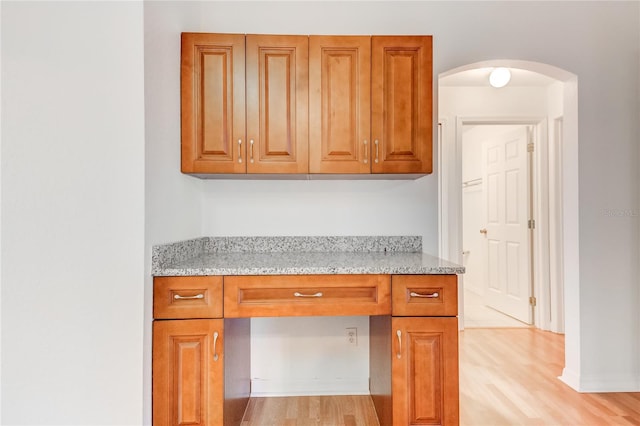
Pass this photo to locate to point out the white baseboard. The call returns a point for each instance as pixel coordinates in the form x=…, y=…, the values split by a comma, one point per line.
x=600, y=383
x=264, y=388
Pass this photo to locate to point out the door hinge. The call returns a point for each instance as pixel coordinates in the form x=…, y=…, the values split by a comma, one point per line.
x=530, y=147
x=532, y=301
x=531, y=224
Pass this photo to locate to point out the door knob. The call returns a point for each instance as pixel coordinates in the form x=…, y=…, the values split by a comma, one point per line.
x=483, y=231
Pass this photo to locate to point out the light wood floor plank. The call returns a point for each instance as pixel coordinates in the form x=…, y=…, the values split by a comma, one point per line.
x=509, y=377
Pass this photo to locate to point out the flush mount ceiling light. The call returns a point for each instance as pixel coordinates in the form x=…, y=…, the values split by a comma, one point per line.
x=499, y=77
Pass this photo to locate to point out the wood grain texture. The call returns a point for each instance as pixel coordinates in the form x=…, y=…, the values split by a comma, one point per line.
x=401, y=104
x=380, y=366
x=237, y=369
x=410, y=295
x=425, y=370
x=187, y=381
x=339, y=104
x=212, y=94
x=275, y=295
x=173, y=297
x=277, y=85
x=510, y=377
x=345, y=410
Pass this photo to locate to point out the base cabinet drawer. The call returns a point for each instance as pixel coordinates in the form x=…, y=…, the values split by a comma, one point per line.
x=187, y=297
x=425, y=295
x=306, y=295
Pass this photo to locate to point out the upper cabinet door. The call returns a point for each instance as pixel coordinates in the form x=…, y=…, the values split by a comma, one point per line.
x=213, y=103
x=401, y=97
x=339, y=104
x=277, y=84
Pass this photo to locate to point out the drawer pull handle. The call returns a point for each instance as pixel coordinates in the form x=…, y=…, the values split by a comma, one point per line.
x=399, y=353
x=428, y=296
x=318, y=294
x=197, y=296
x=251, y=151
x=215, y=341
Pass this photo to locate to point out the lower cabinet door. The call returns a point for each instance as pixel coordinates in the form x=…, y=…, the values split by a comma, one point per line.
x=188, y=386
x=425, y=371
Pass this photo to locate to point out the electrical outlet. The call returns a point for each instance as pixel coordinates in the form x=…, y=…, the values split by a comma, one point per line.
x=352, y=336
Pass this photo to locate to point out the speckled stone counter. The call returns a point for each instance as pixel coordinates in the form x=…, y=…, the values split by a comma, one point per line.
x=297, y=256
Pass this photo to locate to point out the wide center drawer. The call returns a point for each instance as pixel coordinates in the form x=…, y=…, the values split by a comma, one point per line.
x=306, y=295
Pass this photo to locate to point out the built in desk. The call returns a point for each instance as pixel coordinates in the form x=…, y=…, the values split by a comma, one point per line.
x=206, y=290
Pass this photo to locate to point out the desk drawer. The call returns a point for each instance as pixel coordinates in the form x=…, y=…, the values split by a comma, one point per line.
x=187, y=297
x=306, y=295
x=425, y=295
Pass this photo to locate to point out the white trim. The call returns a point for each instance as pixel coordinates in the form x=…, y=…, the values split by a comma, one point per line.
x=607, y=383
x=264, y=388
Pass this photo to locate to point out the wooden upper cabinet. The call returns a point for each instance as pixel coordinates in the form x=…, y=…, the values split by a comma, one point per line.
x=401, y=98
x=289, y=104
x=277, y=84
x=339, y=104
x=213, y=103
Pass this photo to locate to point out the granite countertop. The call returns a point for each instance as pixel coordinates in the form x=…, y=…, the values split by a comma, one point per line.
x=297, y=256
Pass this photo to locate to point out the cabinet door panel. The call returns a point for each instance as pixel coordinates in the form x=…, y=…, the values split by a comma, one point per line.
x=339, y=104
x=277, y=104
x=401, y=96
x=425, y=371
x=213, y=103
x=188, y=372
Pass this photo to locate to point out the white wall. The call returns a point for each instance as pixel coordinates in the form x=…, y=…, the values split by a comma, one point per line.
x=72, y=213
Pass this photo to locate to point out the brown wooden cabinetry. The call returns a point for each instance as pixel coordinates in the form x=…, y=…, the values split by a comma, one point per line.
x=198, y=378
x=201, y=341
x=306, y=104
x=244, y=103
x=425, y=370
x=401, y=104
x=414, y=353
x=188, y=383
x=339, y=104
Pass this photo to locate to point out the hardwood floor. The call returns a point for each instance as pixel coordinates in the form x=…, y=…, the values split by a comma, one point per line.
x=508, y=377
x=346, y=410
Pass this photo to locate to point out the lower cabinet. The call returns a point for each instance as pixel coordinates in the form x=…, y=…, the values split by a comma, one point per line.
x=188, y=368
x=202, y=352
x=424, y=370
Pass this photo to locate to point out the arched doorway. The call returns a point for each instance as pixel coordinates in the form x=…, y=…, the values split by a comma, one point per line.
x=556, y=174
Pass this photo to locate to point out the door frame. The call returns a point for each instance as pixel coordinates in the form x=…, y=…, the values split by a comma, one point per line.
x=546, y=290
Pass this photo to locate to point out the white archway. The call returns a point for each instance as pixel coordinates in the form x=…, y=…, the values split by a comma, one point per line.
x=450, y=195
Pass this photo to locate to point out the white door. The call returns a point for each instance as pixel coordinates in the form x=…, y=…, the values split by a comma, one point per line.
x=506, y=207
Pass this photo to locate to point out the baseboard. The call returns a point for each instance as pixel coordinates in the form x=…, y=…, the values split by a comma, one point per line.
x=601, y=383
x=264, y=388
